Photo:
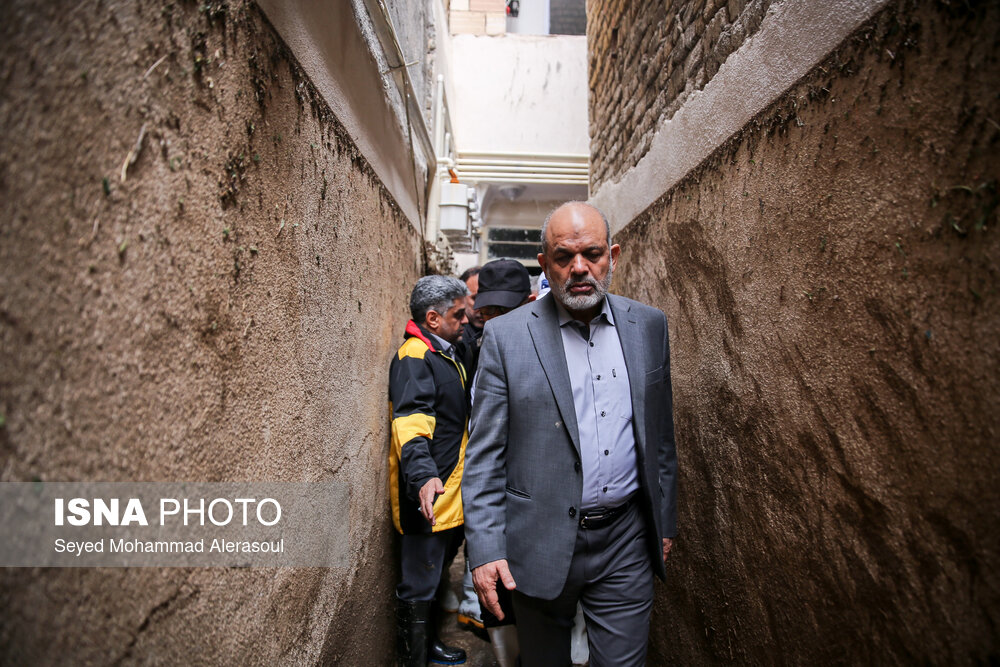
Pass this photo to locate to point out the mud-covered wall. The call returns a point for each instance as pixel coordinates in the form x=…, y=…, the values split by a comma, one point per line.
x=831, y=276
x=201, y=279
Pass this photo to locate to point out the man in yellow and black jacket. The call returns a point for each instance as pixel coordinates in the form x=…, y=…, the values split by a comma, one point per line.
x=427, y=399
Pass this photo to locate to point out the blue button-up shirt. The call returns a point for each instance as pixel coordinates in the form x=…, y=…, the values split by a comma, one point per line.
x=603, y=404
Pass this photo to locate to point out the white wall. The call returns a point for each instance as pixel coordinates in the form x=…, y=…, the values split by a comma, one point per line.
x=520, y=93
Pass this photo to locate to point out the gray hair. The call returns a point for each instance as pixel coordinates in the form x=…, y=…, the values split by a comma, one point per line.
x=545, y=225
x=437, y=293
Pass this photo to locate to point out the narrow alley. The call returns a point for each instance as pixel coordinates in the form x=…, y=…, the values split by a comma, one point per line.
x=212, y=215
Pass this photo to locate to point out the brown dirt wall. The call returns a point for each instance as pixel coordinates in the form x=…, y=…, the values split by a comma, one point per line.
x=226, y=313
x=831, y=280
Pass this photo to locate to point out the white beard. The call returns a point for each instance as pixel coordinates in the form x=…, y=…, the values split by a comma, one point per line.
x=582, y=301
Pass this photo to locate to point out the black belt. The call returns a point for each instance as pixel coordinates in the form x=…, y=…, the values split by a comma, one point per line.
x=601, y=517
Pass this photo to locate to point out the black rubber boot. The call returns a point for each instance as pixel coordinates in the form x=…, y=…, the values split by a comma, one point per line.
x=411, y=633
x=438, y=653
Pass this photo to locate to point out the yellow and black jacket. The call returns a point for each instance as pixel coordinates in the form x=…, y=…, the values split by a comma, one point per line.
x=427, y=401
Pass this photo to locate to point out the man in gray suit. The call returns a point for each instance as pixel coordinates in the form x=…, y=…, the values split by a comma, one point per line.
x=569, y=488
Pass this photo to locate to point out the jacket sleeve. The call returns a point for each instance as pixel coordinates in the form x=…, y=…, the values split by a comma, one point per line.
x=411, y=390
x=485, y=476
x=667, y=450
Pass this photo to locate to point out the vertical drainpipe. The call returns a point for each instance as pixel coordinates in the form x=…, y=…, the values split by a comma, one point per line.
x=481, y=191
x=440, y=154
x=482, y=245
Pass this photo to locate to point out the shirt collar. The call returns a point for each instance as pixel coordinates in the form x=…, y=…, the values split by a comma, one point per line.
x=443, y=345
x=565, y=318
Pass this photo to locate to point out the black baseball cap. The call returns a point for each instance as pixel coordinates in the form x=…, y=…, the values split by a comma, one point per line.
x=504, y=283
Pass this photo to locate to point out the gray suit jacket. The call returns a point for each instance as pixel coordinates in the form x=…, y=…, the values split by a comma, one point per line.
x=522, y=484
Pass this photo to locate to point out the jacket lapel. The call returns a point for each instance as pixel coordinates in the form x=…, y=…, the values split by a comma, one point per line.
x=633, y=347
x=547, y=338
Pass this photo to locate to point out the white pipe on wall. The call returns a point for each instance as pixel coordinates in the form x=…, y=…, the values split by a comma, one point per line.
x=498, y=177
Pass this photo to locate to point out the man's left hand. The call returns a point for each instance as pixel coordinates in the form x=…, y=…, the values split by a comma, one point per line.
x=668, y=544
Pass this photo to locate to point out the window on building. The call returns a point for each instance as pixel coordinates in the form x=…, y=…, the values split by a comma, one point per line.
x=567, y=17
x=513, y=243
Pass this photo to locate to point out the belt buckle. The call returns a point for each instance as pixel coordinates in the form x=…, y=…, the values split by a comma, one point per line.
x=586, y=519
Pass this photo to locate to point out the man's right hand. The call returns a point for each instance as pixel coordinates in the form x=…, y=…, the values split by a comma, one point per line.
x=429, y=492
x=484, y=578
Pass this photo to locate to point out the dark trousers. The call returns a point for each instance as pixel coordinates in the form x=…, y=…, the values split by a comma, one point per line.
x=506, y=606
x=612, y=577
x=423, y=558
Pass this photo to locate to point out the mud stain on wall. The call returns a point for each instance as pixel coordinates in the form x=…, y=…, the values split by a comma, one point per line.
x=831, y=279
x=202, y=279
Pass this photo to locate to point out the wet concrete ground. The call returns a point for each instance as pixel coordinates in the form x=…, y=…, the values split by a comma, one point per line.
x=479, y=652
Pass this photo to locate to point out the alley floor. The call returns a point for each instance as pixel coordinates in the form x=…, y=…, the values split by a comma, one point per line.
x=480, y=654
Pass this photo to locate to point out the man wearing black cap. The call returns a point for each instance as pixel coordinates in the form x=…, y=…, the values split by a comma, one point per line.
x=504, y=284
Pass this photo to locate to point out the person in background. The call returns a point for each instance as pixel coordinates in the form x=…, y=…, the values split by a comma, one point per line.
x=504, y=284
x=473, y=330
x=429, y=407
x=469, y=615
x=543, y=285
